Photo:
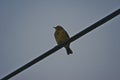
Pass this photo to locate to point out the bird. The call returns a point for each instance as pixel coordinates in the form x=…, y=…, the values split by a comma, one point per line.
x=61, y=36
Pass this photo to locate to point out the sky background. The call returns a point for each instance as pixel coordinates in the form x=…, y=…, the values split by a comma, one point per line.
x=26, y=31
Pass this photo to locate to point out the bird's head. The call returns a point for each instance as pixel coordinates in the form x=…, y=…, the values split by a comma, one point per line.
x=58, y=27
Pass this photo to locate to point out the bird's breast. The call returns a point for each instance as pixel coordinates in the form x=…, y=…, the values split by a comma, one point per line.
x=60, y=36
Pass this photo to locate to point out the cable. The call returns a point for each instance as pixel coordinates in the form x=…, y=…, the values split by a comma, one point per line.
x=73, y=38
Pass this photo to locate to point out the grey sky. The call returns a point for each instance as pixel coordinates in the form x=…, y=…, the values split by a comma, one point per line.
x=26, y=31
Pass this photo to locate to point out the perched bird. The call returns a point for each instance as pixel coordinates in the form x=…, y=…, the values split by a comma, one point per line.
x=61, y=35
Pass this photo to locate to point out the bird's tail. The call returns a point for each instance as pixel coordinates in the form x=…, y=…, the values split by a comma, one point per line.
x=69, y=51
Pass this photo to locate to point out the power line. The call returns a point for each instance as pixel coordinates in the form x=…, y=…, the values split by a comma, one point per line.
x=73, y=38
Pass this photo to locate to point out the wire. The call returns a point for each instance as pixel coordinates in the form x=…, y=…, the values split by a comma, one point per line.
x=73, y=38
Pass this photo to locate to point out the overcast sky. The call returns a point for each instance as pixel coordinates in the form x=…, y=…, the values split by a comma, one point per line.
x=26, y=31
